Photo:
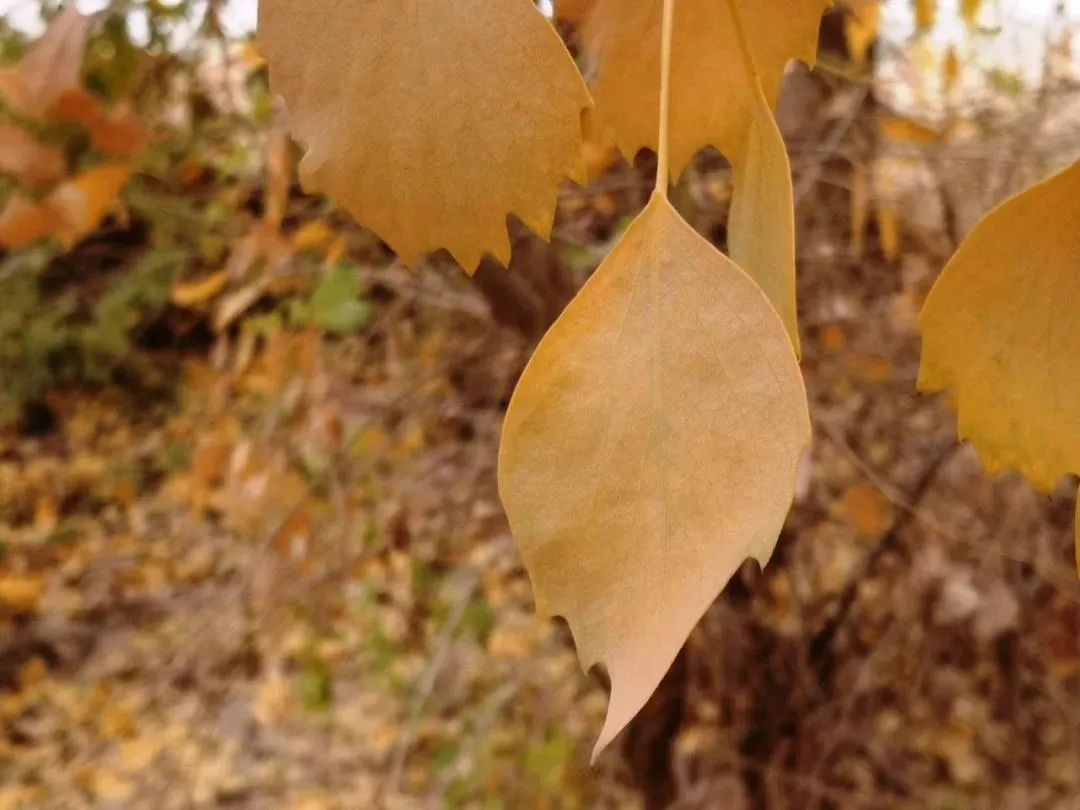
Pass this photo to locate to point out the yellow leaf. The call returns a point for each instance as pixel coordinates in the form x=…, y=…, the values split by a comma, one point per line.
x=430, y=124
x=861, y=28
x=83, y=201
x=192, y=293
x=71, y=211
x=21, y=592
x=761, y=228
x=925, y=14
x=708, y=105
x=888, y=224
x=969, y=10
x=312, y=236
x=28, y=160
x=865, y=509
x=650, y=447
x=1001, y=332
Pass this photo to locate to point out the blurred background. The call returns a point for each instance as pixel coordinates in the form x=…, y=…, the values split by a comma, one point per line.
x=251, y=552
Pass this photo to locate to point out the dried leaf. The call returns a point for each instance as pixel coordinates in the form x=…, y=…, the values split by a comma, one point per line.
x=28, y=160
x=72, y=211
x=21, y=592
x=193, y=293
x=761, y=227
x=866, y=510
x=1001, y=332
x=650, y=447
x=430, y=126
x=83, y=201
x=119, y=133
x=51, y=65
x=622, y=37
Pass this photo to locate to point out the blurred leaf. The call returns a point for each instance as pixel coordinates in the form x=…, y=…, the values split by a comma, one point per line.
x=28, y=160
x=50, y=66
x=336, y=306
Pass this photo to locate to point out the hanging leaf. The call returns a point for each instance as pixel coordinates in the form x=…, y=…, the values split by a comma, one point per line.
x=761, y=228
x=1001, y=331
x=710, y=102
x=50, y=66
x=651, y=447
x=432, y=123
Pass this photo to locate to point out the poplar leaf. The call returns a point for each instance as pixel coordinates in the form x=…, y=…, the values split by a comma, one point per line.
x=708, y=105
x=1001, y=331
x=761, y=226
x=430, y=122
x=650, y=447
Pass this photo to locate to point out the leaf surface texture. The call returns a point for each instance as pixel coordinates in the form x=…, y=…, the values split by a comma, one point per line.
x=651, y=447
x=1001, y=331
x=430, y=121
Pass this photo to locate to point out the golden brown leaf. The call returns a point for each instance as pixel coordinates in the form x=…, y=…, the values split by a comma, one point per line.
x=761, y=228
x=432, y=123
x=707, y=107
x=69, y=213
x=925, y=14
x=650, y=447
x=1001, y=332
x=27, y=159
x=193, y=293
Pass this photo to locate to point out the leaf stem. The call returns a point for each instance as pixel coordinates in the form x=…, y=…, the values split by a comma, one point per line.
x=662, y=170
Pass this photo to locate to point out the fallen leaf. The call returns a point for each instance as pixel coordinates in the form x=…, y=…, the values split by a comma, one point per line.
x=119, y=133
x=83, y=201
x=69, y=213
x=430, y=126
x=27, y=159
x=193, y=293
x=866, y=510
x=888, y=225
x=650, y=447
x=711, y=104
x=1001, y=332
x=21, y=592
x=24, y=222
